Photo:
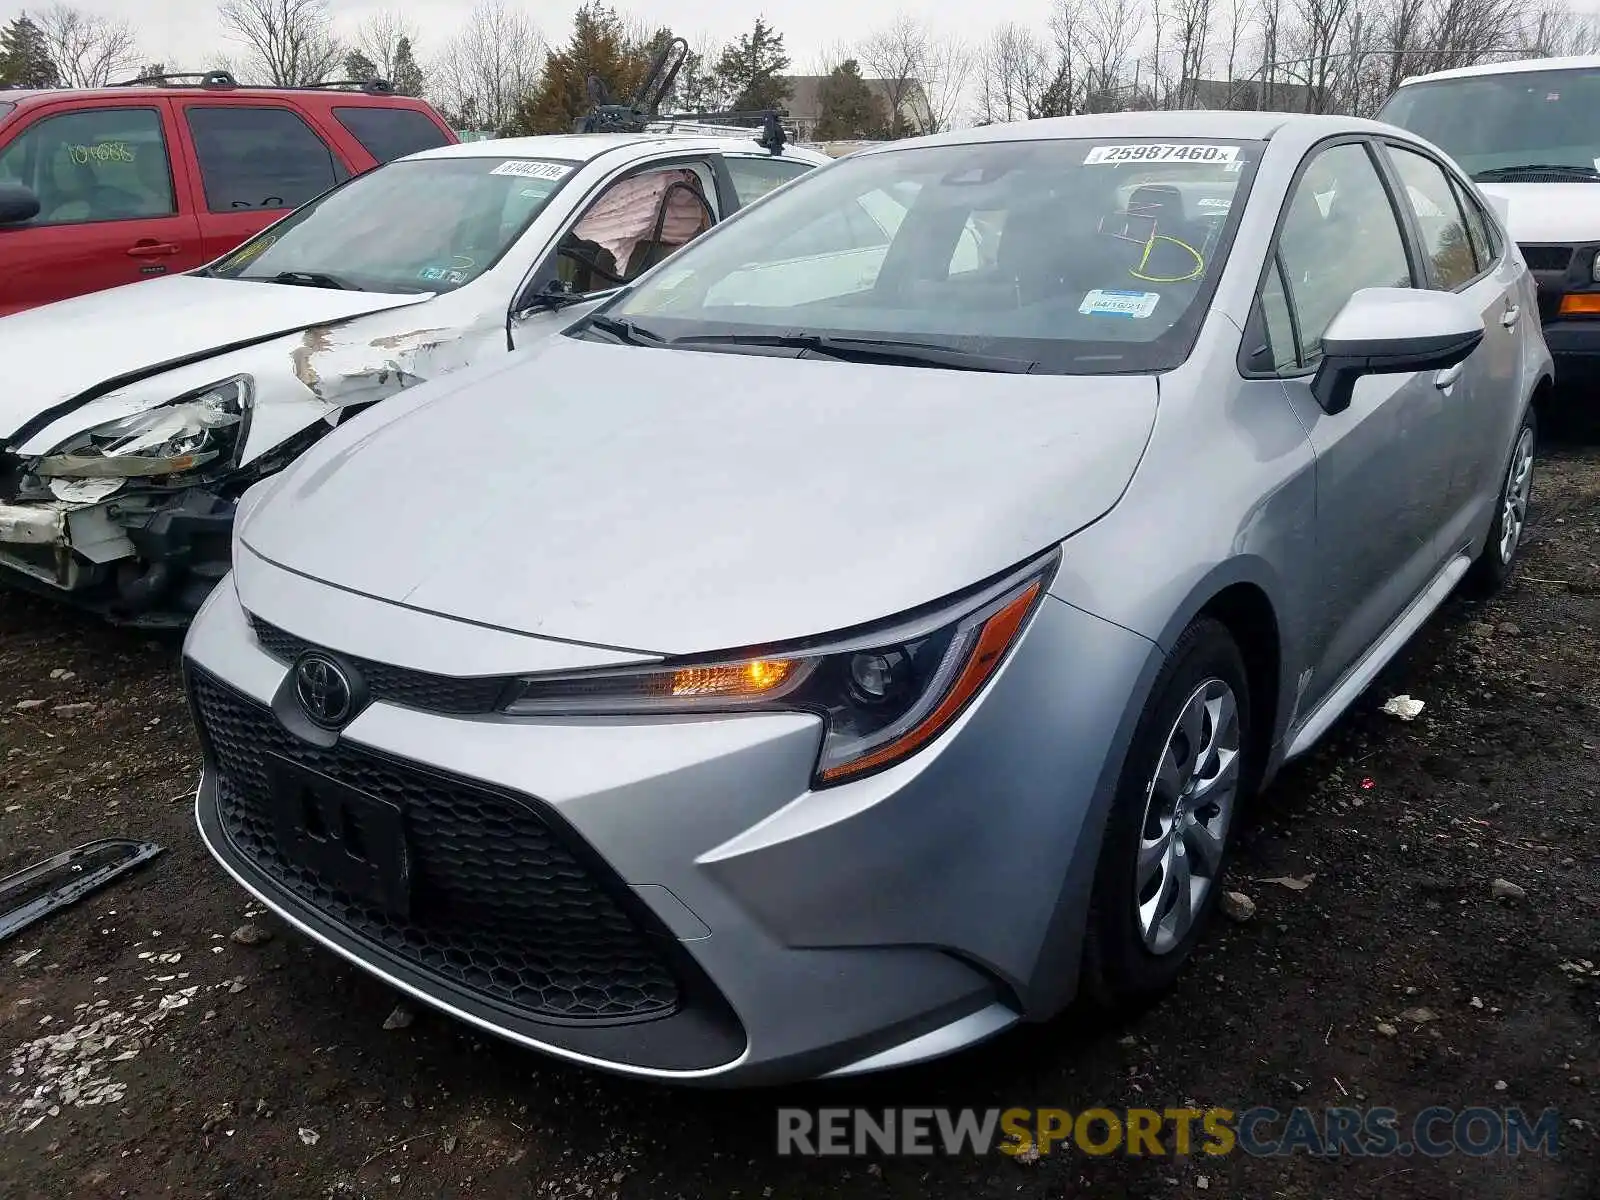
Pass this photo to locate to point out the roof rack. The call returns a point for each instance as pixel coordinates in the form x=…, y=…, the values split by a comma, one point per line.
x=223, y=80
x=203, y=79
x=605, y=116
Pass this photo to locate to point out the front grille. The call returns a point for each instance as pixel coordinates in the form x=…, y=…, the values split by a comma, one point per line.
x=395, y=685
x=499, y=905
x=1546, y=258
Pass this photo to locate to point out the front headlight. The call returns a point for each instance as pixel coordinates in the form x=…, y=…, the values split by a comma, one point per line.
x=882, y=695
x=201, y=427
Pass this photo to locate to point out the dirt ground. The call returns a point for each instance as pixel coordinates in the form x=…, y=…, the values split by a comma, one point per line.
x=145, y=1052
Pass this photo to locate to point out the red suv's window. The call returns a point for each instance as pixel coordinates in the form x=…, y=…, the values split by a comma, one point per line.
x=254, y=157
x=391, y=133
x=97, y=164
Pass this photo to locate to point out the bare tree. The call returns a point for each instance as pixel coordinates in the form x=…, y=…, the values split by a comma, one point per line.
x=942, y=77
x=1104, y=33
x=1020, y=77
x=287, y=43
x=379, y=38
x=1192, y=29
x=895, y=55
x=1556, y=30
x=88, y=50
x=491, y=64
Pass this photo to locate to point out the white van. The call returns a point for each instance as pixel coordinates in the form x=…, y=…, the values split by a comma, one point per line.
x=1528, y=132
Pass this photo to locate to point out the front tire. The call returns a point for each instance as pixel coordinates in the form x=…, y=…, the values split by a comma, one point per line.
x=1170, y=833
x=1493, y=566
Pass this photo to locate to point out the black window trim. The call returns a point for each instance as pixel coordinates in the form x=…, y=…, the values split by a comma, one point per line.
x=160, y=111
x=1414, y=258
x=342, y=173
x=1392, y=143
x=543, y=267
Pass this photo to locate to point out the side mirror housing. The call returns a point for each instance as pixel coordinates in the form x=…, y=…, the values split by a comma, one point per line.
x=17, y=204
x=1388, y=331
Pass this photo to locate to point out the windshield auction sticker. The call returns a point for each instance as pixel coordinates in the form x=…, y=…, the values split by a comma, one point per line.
x=1149, y=152
x=1103, y=302
x=528, y=169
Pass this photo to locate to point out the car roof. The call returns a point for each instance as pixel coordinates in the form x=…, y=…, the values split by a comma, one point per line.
x=1575, y=62
x=584, y=147
x=1185, y=123
x=340, y=95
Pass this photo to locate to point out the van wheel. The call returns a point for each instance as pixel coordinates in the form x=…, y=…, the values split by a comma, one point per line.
x=1168, y=839
x=1493, y=565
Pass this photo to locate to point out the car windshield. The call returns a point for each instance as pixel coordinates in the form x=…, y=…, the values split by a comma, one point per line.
x=417, y=225
x=1491, y=124
x=1066, y=256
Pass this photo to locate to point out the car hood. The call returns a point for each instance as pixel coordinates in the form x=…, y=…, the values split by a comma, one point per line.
x=56, y=353
x=673, y=501
x=1549, y=212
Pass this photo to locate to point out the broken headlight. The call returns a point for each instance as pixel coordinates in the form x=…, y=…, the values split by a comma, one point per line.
x=882, y=695
x=202, y=427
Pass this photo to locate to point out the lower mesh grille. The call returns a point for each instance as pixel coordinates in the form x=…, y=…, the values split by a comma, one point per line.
x=499, y=905
x=1546, y=258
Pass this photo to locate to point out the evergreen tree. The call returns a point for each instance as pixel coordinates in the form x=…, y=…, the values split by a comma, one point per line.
x=750, y=72
x=408, y=80
x=599, y=46
x=848, y=107
x=24, y=58
x=358, y=66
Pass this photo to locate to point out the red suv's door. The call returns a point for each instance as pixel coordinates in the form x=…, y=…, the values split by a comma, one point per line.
x=252, y=160
x=111, y=209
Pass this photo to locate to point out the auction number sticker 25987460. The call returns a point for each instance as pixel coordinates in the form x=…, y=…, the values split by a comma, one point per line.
x=1148, y=152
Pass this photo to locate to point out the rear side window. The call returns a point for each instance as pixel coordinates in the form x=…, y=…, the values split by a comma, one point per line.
x=259, y=158
x=96, y=164
x=1439, y=219
x=391, y=133
x=753, y=178
x=1479, y=228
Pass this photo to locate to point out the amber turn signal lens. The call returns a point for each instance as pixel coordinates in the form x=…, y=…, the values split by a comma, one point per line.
x=753, y=678
x=1585, y=304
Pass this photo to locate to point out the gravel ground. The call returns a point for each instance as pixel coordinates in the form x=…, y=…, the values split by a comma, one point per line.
x=145, y=1050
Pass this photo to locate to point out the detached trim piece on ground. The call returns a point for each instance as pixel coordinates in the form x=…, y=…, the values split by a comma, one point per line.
x=35, y=892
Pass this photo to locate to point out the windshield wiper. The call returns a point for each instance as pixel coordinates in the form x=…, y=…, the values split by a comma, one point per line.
x=312, y=279
x=857, y=349
x=1573, y=173
x=630, y=332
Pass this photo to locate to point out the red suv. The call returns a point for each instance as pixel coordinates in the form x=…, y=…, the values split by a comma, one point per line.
x=112, y=185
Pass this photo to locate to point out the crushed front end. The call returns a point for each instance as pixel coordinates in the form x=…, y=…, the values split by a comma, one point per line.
x=132, y=518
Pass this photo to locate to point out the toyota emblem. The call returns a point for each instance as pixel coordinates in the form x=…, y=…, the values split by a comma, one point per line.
x=323, y=690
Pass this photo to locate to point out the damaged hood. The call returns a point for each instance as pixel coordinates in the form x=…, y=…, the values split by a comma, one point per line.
x=675, y=501
x=57, y=352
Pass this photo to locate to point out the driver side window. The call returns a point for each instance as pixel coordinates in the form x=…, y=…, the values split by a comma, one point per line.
x=634, y=223
x=1340, y=234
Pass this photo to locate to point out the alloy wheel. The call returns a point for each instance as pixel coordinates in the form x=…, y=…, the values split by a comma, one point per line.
x=1188, y=808
x=1514, y=501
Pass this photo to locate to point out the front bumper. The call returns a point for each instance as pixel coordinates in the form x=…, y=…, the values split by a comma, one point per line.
x=146, y=560
x=774, y=933
x=1559, y=270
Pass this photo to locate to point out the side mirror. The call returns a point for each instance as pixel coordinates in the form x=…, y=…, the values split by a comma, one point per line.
x=1386, y=331
x=17, y=204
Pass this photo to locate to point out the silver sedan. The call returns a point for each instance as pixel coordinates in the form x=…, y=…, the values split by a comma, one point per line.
x=860, y=634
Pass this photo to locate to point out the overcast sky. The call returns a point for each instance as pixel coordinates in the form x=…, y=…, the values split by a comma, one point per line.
x=185, y=33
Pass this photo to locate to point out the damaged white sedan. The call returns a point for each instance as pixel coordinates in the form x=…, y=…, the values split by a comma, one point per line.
x=132, y=419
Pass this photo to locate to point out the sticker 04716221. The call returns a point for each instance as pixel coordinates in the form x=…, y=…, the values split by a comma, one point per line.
x=1160, y=152
x=527, y=168
x=1109, y=302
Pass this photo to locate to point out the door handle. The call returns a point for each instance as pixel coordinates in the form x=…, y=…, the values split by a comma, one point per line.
x=1446, y=378
x=1510, y=317
x=151, y=249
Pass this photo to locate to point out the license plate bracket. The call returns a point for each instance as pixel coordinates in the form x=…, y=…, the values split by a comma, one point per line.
x=354, y=840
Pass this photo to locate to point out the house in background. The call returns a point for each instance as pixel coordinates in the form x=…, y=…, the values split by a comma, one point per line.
x=805, y=102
